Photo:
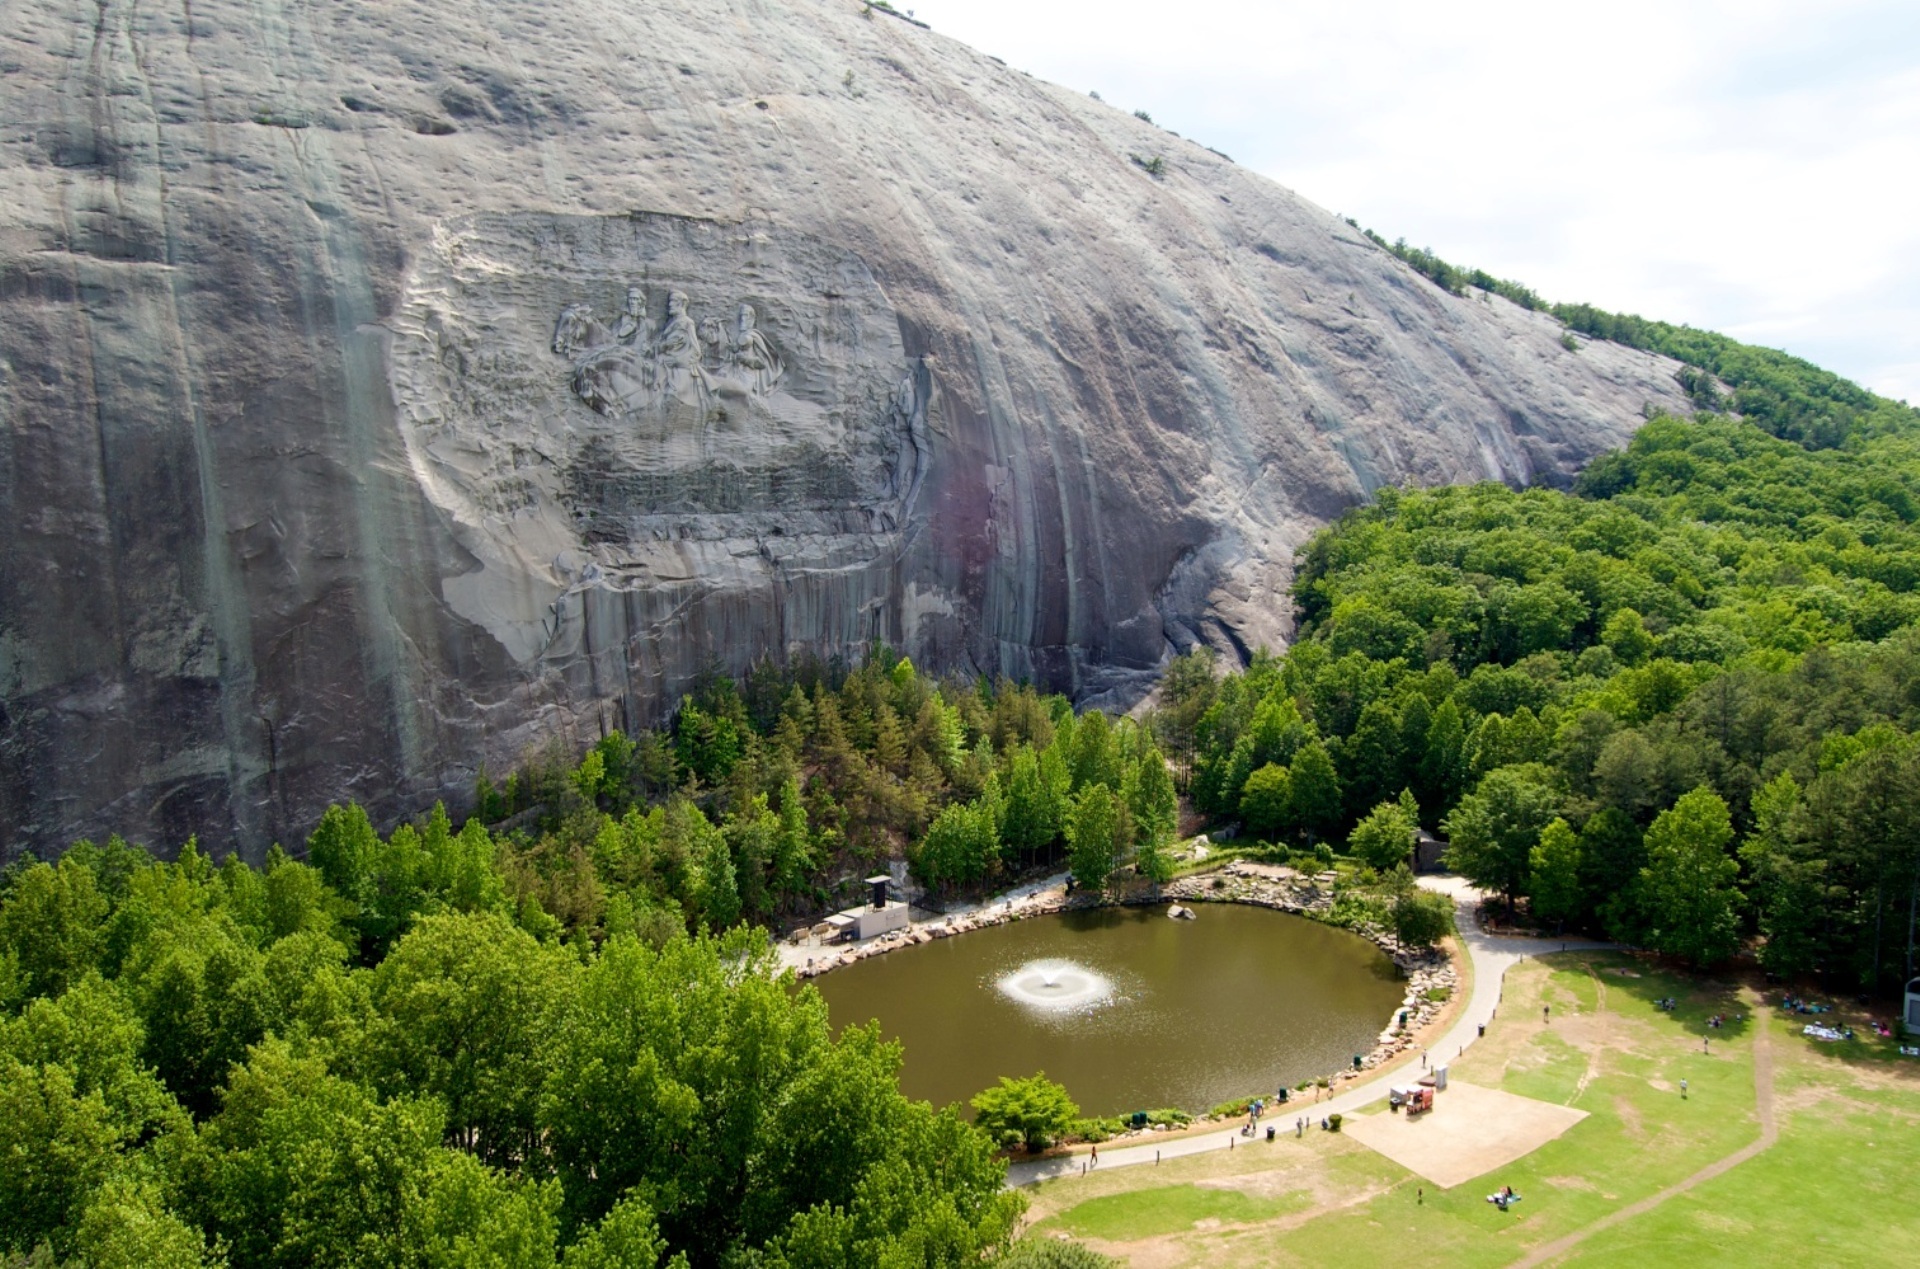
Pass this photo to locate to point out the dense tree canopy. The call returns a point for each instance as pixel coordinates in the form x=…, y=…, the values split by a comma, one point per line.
x=209, y=1064
x=1678, y=705
x=1714, y=609
x=1784, y=395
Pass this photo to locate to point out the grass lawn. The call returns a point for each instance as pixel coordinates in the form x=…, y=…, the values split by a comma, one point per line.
x=1173, y=1209
x=1837, y=1189
x=1826, y=1193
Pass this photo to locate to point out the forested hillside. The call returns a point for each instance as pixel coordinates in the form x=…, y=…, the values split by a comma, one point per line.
x=203, y=1064
x=773, y=797
x=499, y=1045
x=1677, y=706
x=1782, y=394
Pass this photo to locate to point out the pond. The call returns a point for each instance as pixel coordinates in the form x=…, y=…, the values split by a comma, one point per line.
x=1129, y=1009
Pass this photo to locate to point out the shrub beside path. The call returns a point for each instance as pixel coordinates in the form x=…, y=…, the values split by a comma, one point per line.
x=1769, y=1133
x=1491, y=955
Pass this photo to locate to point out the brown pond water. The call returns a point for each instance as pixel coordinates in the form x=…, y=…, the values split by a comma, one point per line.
x=1128, y=1009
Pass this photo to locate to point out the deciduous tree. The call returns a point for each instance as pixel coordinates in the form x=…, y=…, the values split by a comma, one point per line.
x=1495, y=828
x=1687, y=888
x=1033, y=1112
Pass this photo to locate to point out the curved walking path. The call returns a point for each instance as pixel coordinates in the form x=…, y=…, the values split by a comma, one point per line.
x=1769, y=1133
x=1491, y=956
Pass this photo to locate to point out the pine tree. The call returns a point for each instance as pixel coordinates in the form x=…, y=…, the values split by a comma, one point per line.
x=1316, y=799
x=1370, y=758
x=1096, y=833
x=1155, y=805
x=793, y=846
x=1443, y=767
x=1687, y=886
x=1555, y=881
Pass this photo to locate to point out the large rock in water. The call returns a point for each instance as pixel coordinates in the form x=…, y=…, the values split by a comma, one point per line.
x=388, y=387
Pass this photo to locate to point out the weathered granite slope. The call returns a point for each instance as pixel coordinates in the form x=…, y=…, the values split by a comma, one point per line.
x=388, y=386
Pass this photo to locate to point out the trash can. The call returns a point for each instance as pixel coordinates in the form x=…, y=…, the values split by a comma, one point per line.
x=1483, y=1031
x=1269, y=1132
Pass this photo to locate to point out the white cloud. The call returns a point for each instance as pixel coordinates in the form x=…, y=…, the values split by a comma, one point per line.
x=1752, y=168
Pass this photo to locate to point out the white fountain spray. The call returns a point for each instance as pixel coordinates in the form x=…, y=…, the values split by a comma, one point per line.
x=1054, y=986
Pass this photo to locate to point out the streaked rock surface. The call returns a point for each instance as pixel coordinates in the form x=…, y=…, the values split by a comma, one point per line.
x=353, y=435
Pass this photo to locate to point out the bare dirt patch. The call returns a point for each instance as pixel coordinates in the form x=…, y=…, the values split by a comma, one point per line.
x=1470, y=1132
x=1630, y=1118
x=1196, y=1247
x=1310, y=1178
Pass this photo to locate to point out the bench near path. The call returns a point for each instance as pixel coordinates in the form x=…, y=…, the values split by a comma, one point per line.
x=1491, y=956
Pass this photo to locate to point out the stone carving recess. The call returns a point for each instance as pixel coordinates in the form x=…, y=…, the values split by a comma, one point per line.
x=739, y=408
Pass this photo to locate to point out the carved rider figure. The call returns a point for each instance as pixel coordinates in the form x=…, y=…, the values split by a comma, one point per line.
x=678, y=373
x=633, y=317
x=753, y=355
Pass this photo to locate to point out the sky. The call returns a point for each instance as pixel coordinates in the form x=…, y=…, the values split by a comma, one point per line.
x=1751, y=168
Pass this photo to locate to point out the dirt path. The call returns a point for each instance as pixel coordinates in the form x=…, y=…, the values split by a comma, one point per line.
x=1769, y=1133
x=1599, y=1044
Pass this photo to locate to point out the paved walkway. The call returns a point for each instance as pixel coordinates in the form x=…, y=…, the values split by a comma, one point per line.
x=1491, y=956
x=1769, y=1133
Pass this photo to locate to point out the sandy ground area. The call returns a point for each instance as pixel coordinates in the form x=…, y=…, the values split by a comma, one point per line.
x=1470, y=1131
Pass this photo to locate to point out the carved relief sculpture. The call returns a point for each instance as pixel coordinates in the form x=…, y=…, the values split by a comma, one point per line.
x=678, y=374
x=621, y=370
x=753, y=439
x=751, y=356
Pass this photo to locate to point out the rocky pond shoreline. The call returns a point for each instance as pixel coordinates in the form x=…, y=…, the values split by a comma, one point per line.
x=1429, y=971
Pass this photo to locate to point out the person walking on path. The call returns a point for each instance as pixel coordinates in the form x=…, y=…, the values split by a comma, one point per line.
x=1095, y=1160
x=1544, y=1011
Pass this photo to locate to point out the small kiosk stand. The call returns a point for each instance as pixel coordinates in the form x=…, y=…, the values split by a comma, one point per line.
x=1416, y=1098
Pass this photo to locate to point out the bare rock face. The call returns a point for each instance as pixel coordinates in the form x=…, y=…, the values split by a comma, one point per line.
x=388, y=388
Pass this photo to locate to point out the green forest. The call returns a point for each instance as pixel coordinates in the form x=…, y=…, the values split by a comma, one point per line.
x=556, y=1035
x=204, y=1064
x=1675, y=705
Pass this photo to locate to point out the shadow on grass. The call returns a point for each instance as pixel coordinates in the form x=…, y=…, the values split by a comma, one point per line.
x=1697, y=998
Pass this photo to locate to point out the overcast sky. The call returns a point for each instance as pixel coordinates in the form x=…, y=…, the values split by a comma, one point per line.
x=1749, y=167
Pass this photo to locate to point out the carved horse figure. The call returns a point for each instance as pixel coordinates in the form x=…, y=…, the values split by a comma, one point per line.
x=607, y=375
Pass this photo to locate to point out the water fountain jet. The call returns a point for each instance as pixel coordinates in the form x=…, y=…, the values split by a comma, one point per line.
x=1054, y=986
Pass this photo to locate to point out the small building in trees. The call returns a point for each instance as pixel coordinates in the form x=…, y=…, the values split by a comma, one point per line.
x=881, y=916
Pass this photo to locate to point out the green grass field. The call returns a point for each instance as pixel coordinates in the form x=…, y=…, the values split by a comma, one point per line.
x=1827, y=1192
